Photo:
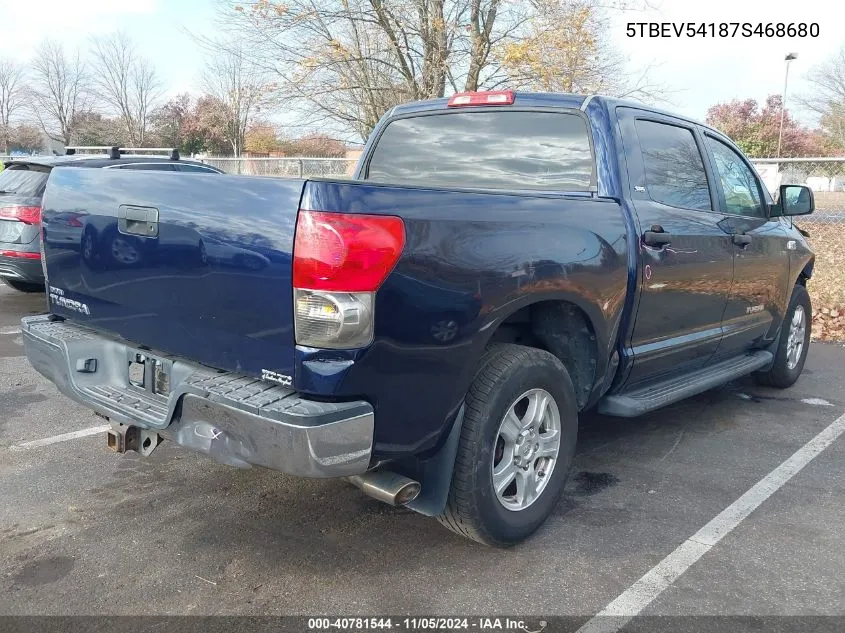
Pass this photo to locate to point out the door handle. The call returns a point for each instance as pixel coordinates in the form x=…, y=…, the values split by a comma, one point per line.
x=741, y=240
x=142, y=221
x=656, y=238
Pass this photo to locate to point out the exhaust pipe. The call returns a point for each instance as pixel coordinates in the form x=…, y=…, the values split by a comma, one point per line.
x=391, y=488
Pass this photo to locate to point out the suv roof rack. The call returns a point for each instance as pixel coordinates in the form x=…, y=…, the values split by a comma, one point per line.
x=115, y=152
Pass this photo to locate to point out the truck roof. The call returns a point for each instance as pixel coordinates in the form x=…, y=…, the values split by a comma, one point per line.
x=546, y=100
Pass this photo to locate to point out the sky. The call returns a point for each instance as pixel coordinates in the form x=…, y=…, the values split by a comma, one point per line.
x=700, y=72
x=697, y=72
x=159, y=27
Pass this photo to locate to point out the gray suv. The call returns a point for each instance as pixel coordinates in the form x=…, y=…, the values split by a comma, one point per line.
x=22, y=185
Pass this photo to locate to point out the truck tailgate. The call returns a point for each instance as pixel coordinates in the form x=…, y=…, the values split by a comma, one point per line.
x=193, y=265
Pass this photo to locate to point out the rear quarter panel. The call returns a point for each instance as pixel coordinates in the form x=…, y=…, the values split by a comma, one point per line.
x=471, y=259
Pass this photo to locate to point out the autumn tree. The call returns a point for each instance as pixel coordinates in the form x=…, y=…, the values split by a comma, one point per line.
x=194, y=127
x=755, y=130
x=59, y=89
x=566, y=49
x=170, y=121
x=261, y=138
x=26, y=138
x=316, y=146
x=92, y=128
x=205, y=129
x=12, y=98
x=827, y=99
x=126, y=82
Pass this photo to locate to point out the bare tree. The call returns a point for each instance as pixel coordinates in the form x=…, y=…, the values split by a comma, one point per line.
x=349, y=61
x=126, y=82
x=481, y=21
x=240, y=87
x=12, y=92
x=59, y=89
x=828, y=98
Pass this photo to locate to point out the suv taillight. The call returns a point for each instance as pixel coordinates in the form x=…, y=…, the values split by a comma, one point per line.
x=27, y=215
x=339, y=261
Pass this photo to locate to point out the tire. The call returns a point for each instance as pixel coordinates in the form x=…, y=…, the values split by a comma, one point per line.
x=24, y=286
x=508, y=374
x=787, y=367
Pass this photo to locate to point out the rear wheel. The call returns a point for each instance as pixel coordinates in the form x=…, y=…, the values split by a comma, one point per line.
x=24, y=286
x=516, y=447
x=793, y=344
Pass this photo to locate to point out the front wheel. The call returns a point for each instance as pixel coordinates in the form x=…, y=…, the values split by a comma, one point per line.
x=516, y=448
x=794, y=342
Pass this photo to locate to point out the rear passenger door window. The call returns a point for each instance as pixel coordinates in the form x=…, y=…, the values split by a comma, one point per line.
x=739, y=184
x=674, y=169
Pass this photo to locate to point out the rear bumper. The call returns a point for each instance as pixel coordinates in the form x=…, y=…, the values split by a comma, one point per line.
x=22, y=269
x=237, y=420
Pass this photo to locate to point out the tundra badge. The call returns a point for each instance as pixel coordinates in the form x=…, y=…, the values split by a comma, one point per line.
x=57, y=297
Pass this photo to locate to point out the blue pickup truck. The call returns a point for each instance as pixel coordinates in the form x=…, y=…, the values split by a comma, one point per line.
x=431, y=329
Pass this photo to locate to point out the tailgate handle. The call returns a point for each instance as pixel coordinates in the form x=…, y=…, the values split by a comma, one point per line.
x=133, y=220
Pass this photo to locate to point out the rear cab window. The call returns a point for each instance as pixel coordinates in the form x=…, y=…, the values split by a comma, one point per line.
x=23, y=180
x=510, y=149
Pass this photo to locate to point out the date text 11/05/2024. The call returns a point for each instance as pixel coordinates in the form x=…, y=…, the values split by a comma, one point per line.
x=722, y=29
x=427, y=623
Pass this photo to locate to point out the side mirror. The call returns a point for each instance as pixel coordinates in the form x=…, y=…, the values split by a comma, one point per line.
x=795, y=200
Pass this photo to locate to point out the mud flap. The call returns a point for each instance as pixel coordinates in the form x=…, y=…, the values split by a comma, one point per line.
x=435, y=473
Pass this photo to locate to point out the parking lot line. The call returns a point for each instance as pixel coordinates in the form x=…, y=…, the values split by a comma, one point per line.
x=64, y=437
x=9, y=331
x=639, y=595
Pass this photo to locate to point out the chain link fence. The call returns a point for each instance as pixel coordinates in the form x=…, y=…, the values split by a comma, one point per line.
x=298, y=167
x=826, y=229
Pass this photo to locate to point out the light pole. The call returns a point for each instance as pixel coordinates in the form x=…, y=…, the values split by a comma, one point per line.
x=787, y=59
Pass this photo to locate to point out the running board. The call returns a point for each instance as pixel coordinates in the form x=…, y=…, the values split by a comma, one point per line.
x=629, y=404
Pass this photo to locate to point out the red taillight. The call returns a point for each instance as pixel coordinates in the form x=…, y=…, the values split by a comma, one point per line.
x=27, y=215
x=336, y=252
x=493, y=97
x=20, y=254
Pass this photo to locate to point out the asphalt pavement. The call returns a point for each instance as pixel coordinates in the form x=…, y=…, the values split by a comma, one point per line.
x=87, y=531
